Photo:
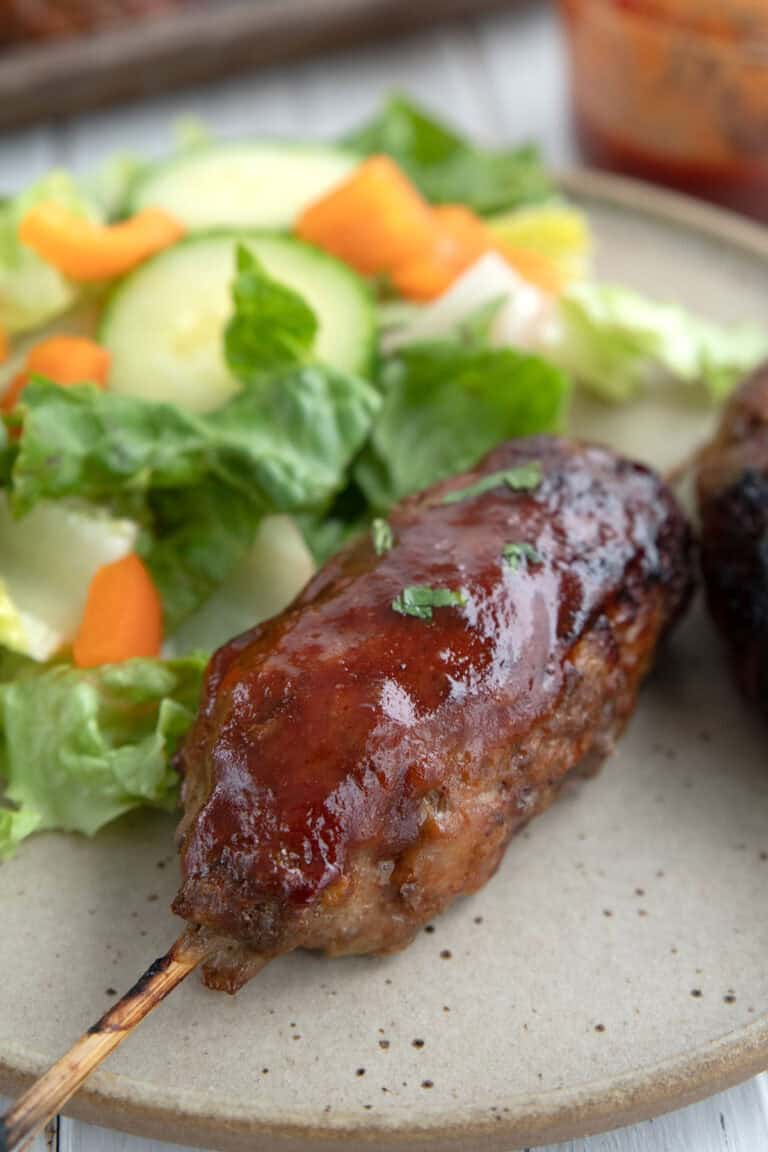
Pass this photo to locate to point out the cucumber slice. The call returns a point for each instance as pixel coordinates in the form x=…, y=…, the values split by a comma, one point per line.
x=164, y=324
x=261, y=184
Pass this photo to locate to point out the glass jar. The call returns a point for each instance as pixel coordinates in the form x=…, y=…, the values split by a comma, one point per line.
x=675, y=91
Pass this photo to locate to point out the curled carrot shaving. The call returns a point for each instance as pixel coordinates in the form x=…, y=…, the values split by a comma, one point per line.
x=85, y=251
x=123, y=616
x=63, y=360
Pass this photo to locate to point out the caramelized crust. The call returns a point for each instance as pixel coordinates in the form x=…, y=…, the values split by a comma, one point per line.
x=733, y=503
x=353, y=770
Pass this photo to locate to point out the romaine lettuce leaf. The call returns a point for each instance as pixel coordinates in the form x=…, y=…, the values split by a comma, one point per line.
x=104, y=746
x=616, y=342
x=200, y=484
x=284, y=442
x=197, y=539
x=272, y=328
x=31, y=291
x=611, y=340
x=446, y=167
x=445, y=405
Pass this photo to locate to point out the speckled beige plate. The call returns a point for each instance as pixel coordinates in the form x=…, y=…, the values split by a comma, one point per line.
x=616, y=967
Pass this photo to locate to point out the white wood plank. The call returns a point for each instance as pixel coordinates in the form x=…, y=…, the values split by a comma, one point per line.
x=524, y=62
x=25, y=156
x=735, y=1121
x=499, y=78
x=76, y=1137
x=457, y=71
x=320, y=98
x=47, y=1141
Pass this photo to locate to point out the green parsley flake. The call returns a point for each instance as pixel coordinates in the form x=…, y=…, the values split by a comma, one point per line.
x=383, y=538
x=419, y=601
x=522, y=479
x=517, y=554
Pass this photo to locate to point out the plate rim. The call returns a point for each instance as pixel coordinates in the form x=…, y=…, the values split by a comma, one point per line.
x=545, y=1117
x=548, y=1117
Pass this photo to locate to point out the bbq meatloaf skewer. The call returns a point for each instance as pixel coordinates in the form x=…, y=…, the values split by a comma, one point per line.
x=362, y=759
x=732, y=484
x=356, y=767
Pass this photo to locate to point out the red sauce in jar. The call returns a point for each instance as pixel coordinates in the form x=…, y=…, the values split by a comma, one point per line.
x=675, y=91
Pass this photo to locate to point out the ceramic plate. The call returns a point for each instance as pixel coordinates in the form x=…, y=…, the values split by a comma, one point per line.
x=613, y=969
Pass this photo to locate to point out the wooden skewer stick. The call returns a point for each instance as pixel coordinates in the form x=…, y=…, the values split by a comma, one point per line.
x=49, y=1094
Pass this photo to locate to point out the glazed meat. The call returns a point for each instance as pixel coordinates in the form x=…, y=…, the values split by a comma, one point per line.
x=733, y=502
x=354, y=768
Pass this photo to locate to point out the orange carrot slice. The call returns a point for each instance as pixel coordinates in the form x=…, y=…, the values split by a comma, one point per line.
x=123, y=616
x=85, y=251
x=461, y=238
x=5, y=345
x=424, y=278
x=374, y=221
x=64, y=360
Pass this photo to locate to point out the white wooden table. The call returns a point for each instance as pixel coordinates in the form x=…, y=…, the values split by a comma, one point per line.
x=501, y=78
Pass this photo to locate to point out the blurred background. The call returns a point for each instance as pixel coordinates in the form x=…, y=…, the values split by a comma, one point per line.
x=673, y=91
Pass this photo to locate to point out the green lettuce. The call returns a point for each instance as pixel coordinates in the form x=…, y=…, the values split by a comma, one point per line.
x=199, y=484
x=104, y=746
x=446, y=167
x=199, y=536
x=284, y=442
x=272, y=327
x=31, y=291
x=445, y=405
x=616, y=342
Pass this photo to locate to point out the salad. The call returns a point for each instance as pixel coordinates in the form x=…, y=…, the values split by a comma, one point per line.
x=218, y=368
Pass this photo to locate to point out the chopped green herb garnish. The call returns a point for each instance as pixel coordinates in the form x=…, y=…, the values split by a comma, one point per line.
x=419, y=601
x=517, y=554
x=382, y=536
x=521, y=479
